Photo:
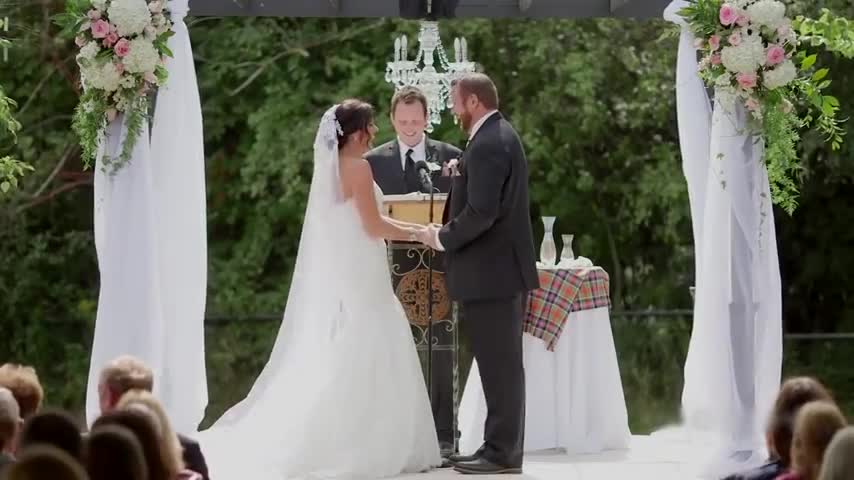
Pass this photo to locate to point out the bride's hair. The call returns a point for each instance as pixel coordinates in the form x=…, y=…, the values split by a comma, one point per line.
x=353, y=115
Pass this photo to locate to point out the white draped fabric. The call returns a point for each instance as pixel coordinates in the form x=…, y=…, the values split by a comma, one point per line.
x=732, y=372
x=151, y=237
x=573, y=396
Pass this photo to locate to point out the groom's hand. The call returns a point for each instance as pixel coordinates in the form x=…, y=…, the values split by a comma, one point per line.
x=430, y=237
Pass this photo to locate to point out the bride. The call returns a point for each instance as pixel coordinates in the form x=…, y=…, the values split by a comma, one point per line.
x=342, y=395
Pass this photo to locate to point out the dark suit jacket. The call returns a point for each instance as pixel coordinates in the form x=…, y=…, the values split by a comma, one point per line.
x=193, y=457
x=388, y=170
x=488, y=239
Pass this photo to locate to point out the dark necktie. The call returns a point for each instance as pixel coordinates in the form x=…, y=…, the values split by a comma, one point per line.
x=410, y=176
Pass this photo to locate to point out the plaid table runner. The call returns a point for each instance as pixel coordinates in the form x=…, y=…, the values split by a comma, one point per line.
x=561, y=292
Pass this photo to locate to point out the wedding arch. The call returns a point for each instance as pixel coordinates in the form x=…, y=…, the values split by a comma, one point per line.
x=150, y=225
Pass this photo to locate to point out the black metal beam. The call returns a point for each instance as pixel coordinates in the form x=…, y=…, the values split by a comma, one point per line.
x=465, y=8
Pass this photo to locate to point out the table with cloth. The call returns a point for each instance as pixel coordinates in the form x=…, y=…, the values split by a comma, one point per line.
x=574, y=395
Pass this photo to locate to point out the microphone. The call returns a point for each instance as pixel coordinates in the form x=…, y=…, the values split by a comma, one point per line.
x=424, y=176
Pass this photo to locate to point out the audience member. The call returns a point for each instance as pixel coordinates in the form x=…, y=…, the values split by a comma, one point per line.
x=170, y=448
x=10, y=427
x=114, y=452
x=127, y=373
x=794, y=393
x=24, y=384
x=54, y=428
x=145, y=430
x=815, y=426
x=838, y=461
x=45, y=463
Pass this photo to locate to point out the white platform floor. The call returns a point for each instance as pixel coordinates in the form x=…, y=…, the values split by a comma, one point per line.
x=649, y=457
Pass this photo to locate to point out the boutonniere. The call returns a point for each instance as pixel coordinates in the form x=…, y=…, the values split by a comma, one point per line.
x=453, y=167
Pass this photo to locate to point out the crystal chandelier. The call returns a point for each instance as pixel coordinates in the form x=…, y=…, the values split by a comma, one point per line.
x=436, y=85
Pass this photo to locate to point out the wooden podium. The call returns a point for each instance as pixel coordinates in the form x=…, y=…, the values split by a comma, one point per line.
x=415, y=207
x=409, y=266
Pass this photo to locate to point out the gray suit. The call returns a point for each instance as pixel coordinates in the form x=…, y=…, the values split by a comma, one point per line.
x=491, y=266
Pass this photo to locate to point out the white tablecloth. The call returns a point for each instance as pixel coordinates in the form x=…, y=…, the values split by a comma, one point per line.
x=574, y=395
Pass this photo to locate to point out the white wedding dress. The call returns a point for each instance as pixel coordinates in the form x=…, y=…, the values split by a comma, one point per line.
x=343, y=395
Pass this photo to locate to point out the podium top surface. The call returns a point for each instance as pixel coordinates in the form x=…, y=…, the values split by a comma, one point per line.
x=415, y=198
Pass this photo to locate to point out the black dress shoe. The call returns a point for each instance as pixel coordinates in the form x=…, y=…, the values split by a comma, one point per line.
x=457, y=458
x=481, y=466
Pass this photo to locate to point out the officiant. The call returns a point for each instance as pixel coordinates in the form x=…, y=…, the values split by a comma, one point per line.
x=395, y=169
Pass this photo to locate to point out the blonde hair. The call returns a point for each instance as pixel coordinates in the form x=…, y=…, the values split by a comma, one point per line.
x=127, y=373
x=24, y=384
x=838, y=461
x=815, y=425
x=170, y=448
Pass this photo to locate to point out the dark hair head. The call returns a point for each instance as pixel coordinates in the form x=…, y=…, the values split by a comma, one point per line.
x=146, y=433
x=54, y=428
x=43, y=461
x=408, y=96
x=354, y=116
x=479, y=85
x=794, y=394
x=115, y=452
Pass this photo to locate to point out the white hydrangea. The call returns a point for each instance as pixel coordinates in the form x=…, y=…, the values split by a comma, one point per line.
x=99, y=4
x=770, y=13
x=740, y=59
x=142, y=57
x=780, y=76
x=89, y=51
x=129, y=16
x=102, y=76
x=128, y=81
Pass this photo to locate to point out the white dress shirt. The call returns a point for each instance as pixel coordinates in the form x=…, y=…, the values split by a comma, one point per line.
x=419, y=152
x=473, y=131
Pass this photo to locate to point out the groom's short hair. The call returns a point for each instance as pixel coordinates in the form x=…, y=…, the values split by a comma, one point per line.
x=479, y=85
x=408, y=96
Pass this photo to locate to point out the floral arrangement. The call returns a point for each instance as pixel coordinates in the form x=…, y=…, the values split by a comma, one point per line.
x=121, y=58
x=753, y=58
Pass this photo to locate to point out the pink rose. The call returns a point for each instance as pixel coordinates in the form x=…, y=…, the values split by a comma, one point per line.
x=735, y=39
x=122, y=47
x=715, y=42
x=728, y=15
x=747, y=80
x=716, y=59
x=111, y=39
x=100, y=29
x=742, y=20
x=775, y=55
x=752, y=104
x=94, y=14
x=120, y=67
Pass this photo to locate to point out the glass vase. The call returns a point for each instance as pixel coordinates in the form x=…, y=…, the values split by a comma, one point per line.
x=566, y=253
x=548, y=249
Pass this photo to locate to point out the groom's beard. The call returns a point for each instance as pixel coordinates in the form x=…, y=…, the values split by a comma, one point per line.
x=465, y=121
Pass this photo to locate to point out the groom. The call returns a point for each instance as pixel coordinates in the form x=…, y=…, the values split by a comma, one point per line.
x=491, y=266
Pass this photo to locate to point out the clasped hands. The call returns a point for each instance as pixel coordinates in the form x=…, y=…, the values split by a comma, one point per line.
x=429, y=235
